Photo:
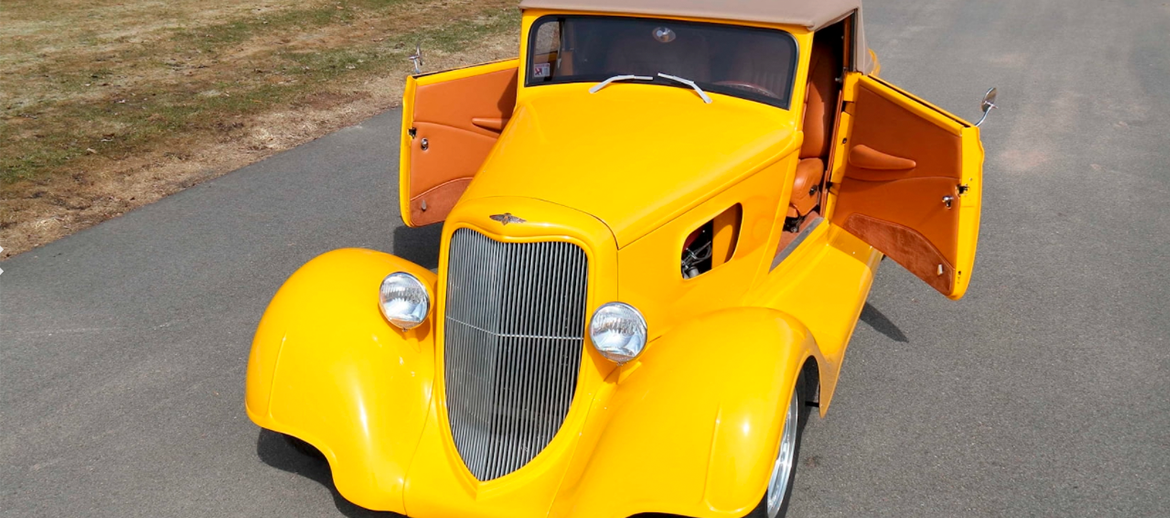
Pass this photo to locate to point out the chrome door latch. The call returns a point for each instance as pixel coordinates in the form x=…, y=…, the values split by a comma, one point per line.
x=948, y=200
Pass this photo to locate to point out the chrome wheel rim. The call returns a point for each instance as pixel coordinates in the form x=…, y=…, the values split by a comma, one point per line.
x=782, y=469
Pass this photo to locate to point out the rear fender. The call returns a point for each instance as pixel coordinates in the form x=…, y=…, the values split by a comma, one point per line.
x=693, y=426
x=327, y=368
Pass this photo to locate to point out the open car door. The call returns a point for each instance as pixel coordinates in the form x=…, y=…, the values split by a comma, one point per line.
x=912, y=184
x=450, y=121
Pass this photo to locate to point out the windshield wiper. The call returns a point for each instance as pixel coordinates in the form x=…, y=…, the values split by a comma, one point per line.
x=622, y=77
x=688, y=82
x=631, y=77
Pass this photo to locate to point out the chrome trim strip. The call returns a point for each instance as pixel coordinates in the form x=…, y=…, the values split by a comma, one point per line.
x=780, y=257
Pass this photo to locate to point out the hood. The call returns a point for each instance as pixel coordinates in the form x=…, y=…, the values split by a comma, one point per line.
x=632, y=155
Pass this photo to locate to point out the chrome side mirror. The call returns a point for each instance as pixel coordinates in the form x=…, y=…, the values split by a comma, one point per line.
x=986, y=105
x=417, y=59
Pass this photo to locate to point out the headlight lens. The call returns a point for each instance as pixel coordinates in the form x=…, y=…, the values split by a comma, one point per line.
x=618, y=332
x=404, y=300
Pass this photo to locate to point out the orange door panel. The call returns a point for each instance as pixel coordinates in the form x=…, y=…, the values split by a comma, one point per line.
x=450, y=121
x=912, y=184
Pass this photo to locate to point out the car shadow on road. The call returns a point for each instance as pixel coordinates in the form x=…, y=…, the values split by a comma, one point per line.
x=870, y=315
x=275, y=451
x=419, y=245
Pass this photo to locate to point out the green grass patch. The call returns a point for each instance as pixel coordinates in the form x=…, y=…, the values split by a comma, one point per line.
x=85, y=112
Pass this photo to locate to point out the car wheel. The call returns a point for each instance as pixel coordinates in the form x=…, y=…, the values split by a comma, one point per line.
x=775, y=501
x=303, y=447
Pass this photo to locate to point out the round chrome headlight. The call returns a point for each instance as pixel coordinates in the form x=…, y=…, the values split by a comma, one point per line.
x=404, y=300
x=618, y=332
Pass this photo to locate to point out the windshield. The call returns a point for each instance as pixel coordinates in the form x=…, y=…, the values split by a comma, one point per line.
x=747, y=62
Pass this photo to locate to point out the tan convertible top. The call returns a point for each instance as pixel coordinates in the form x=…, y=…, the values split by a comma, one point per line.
x=813, y=14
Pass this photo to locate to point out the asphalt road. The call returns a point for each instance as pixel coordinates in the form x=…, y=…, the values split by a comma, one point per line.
x=1045, y=392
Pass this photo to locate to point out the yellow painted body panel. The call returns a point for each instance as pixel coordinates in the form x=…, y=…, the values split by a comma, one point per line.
x=648, y=273
x=593, y=152
x=823, y=284
x=691, y=426
x=672, y=431
x=327, y=368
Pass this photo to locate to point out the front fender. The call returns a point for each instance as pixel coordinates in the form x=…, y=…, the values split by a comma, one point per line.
x=693, y=427
x=327, y=368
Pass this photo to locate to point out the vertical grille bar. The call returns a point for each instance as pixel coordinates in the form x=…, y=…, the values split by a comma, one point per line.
x=515, y=327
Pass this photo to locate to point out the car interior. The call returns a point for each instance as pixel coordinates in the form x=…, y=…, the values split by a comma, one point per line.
x=895, y=188
x=821, y=106
x=767, y=67
x=753, y=63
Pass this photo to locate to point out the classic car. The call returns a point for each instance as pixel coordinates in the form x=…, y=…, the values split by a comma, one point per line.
x=659, y=227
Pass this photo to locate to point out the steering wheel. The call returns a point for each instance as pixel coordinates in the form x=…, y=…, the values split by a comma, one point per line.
x=751, y=87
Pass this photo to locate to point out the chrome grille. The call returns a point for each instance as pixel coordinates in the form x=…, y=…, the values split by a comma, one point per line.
x=514, y=333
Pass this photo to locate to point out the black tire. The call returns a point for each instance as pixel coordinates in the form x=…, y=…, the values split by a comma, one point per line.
x=805, y=391
x=303, y=447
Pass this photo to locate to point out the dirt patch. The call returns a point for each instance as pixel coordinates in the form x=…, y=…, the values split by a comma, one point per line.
x=110, y=107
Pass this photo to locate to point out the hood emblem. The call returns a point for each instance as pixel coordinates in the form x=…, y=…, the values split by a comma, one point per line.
x=506, y=218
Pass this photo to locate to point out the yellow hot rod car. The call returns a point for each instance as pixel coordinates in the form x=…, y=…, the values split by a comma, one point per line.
x=660, y=225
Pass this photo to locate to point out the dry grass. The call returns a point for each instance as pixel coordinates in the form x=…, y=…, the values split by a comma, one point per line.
x=108, y=106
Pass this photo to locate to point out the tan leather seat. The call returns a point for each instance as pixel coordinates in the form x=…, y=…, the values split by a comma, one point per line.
x=820, y=103
x=806, y=186
x=820, y=106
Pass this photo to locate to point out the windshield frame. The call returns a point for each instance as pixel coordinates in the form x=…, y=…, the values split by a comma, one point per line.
x=776, y=102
